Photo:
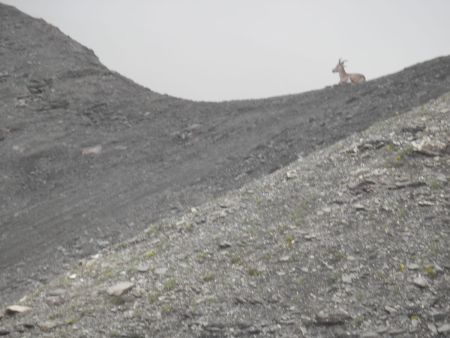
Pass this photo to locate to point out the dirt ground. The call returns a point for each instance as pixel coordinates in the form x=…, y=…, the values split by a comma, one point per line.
x=89, y=158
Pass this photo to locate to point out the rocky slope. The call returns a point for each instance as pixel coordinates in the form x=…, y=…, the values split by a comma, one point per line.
x=349, y=241
x=89, y=158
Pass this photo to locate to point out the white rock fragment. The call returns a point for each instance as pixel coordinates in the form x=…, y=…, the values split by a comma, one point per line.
x=291, y=174
x=413, y=266
x=13, y=309
x=390, y=309
x=421, y=282
x=95, y=150
x=425, y=203
x=120, y=288
x=348, y=278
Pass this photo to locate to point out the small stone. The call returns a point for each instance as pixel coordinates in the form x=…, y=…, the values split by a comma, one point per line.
x=225, y=204
x=4, y=332
x=359, y=207
x=420, y=282
x=369, y=334
x=310, y=237
x=395, y=332
x=120, y=288
x=224, y=245
x=413, y=266
x=425, y=203
x=348, y=278
x=444, y=328
x=291, y=174
x=13, y=309
x=432, y=328
x=57, y=292
x=160, y=271
x=332, y=318
x=143, y=267
x=438, y=315
x=95, y=150
x=429, y=147
x=285, y=259
x=73, y=276
x=390, y=309
x=48, y=325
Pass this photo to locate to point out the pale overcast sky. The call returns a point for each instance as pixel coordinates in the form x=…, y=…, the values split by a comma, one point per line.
x=234, y=49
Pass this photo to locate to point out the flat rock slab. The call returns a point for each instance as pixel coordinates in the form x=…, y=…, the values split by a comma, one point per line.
x=120, y=288
x=13, y=309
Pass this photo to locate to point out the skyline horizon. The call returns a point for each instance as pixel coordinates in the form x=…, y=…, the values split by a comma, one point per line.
x=242, y=51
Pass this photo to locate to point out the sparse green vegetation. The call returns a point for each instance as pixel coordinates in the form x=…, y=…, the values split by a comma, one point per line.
x=431, y=272
x=150, y=254
x=402, y=212
x=170, y=284
x=400, y=158
x=153, y=297
x=435, y=184
x=290, y=239
x=167, y=308
x=236, y=260
x=72, y=321
x=253, y=272
x=202, y=256
x=209, y=277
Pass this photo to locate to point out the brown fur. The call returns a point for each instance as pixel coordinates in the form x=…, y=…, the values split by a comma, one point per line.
x=347, y=77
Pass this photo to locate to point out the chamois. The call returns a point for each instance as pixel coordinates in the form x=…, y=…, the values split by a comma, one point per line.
x=346, y=77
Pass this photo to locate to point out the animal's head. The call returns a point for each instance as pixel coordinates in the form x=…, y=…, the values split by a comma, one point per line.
x=339, y=66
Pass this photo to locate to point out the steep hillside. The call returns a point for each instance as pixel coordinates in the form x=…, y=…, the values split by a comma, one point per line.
x=350, y=241
x=89, y=158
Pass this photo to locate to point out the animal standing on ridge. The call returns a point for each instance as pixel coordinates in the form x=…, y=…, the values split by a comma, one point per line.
x=346, y=77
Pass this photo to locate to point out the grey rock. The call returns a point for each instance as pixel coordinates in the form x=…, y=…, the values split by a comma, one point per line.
x=432, y=328
x=224, y=245
x=120, y=288
x=143, y=267
x=57, y=292
x=444, y=328
x=439, y=315
x=413, y=266
x=332, y=318
x=291, y=174
x=48, y=325
x=396, y=332
x=161, y=271
x=4, y=332
x=390, y=309
x=421, y=282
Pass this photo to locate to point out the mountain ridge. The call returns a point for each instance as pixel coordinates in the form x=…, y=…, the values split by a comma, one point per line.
x=89, y=158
